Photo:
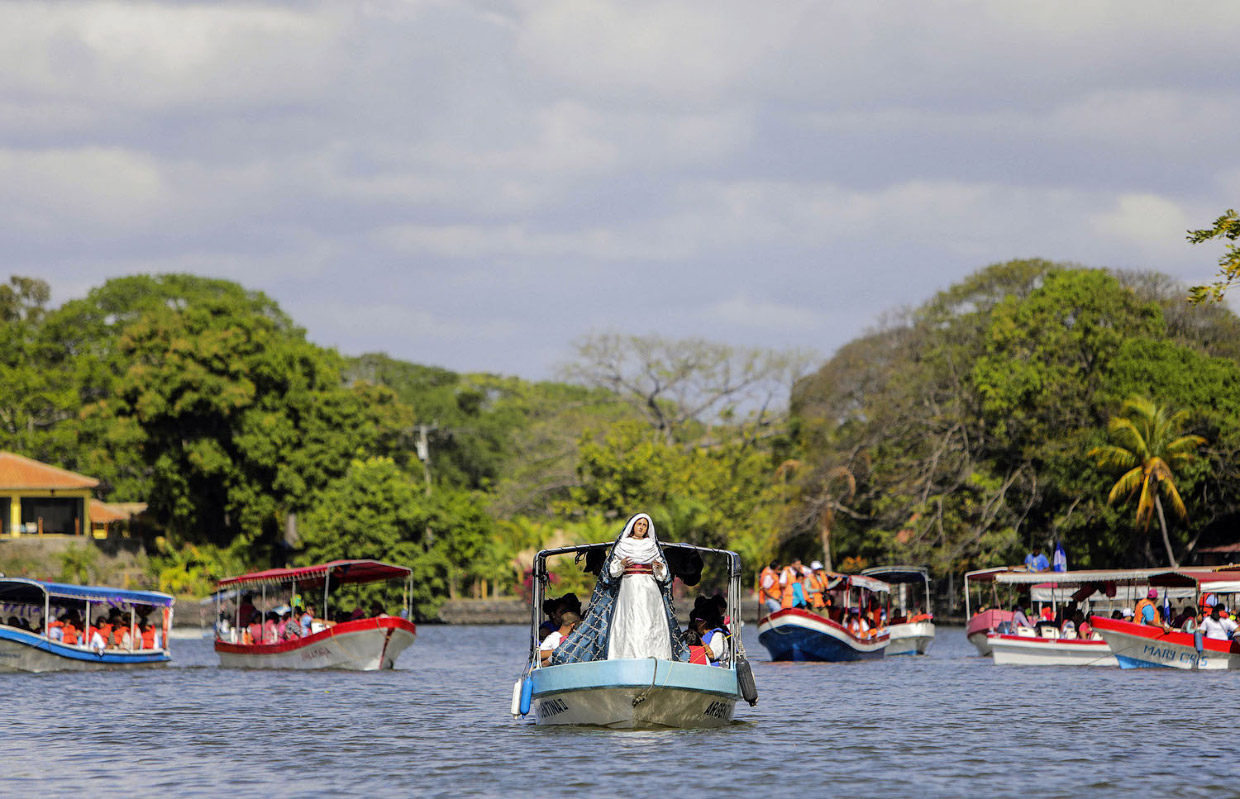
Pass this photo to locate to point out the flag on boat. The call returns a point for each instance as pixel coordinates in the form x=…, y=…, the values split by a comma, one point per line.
x=1061, y=558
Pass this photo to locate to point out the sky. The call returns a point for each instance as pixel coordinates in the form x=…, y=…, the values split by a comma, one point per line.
x=477, y=185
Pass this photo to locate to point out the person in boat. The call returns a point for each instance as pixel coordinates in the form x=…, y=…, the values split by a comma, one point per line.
x=714, y=639
x=815, y=584
x=1212, y=626
x=246, y=611
x=769, y=592
x=377, y=611
x=552, y=609
x=697, y=652
x=289, y=626
x=1019, y=619
x=568, y=622
x=630, y=613
x=791, y=581
x=1146, y=611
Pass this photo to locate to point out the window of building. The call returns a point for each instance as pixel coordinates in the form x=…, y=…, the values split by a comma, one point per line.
x=58, y=516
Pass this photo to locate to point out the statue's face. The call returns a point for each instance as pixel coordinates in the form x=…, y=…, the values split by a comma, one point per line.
x=640, y=528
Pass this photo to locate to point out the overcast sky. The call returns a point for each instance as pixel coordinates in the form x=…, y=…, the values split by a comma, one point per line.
x=475, y=185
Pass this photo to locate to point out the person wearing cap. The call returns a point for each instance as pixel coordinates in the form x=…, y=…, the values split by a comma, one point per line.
x=815, y=585
x=1146, y=611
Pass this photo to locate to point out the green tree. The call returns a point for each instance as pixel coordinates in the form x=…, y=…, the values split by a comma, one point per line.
x=1150, y=447
x=1226, y=227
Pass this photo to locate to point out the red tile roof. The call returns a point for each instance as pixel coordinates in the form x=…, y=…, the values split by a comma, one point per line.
x=18, y=473
x=105, y=512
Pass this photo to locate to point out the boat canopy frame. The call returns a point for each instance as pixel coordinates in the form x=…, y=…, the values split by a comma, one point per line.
x=36, y=593
x=902, y=575
x=542, y=578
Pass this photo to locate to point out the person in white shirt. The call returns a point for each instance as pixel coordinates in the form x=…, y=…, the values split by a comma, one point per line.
x=568, y=622
x=1214, y=628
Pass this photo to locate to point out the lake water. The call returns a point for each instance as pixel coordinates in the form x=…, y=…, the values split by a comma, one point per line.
x=950, y=724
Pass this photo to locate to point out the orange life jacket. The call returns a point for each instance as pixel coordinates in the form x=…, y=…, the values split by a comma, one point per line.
x=1136, y=613
x=71, y=634
x=815, y=585
x=773, y=592
x=148, y=638
x=121, y=638
x=790, y=577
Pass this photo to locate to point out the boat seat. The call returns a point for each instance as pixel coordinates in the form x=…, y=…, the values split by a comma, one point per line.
x=1026, y=632
x=1069, y=635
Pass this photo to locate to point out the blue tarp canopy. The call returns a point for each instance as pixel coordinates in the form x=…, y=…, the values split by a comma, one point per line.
x=13, y=586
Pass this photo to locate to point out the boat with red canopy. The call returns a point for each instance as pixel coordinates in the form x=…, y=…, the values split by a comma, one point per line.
x=359, y=641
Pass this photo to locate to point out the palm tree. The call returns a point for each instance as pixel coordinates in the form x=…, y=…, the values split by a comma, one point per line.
x=1147, y=445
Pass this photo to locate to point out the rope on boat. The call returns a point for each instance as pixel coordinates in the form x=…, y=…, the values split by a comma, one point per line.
x=637, y=700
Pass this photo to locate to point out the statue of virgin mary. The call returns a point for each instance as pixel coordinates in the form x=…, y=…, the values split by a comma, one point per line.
x=630, y=613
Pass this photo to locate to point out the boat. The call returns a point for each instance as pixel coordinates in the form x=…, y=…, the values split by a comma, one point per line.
x=29, y=643
x=1142, y=646
x=1097, y=591
x=981, y=624
x=636, y=693
x=802, y=635
x=911, y=628
x=361, y=644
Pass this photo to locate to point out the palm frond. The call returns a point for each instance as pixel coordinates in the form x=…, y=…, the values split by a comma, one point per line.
x=1145, y=506
x=1109, y=456
x=1125, y=433
x=1126, y=485
x=1173, y=497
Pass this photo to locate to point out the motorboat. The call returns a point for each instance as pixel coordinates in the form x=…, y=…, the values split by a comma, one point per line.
x=988, y=619
x=802, y=635
x=910, y=623
x=41, y=629
x=365, y=643
x=1143, y=646
x=636, y=693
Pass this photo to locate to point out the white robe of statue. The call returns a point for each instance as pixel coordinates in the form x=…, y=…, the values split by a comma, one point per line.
x=639, y=625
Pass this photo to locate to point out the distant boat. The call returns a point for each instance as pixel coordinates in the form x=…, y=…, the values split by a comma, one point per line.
x=366, y=644
x=801, y=635
x=633, y=693
x=915, y=633
x=26, y=645
x=984, y=622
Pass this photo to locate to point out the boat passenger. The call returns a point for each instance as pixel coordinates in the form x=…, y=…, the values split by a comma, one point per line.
x=306, y=620
x=551, y=609
x=1187, y=621
x=1019, y=619
x=151, y=637
x=816, y=585
x=70, y=629
x=714, y=639
x=289, y=626
x=568, y=622
x=246, y=611
x=377, y=611
x=1215, y=627
x=1083, y=628
x=254, y=630
x=271, y=633
x=697, y=652
x=1147, y=611
x=13, y=621
x=769, y=592
x=121, y=638
x=793, y=591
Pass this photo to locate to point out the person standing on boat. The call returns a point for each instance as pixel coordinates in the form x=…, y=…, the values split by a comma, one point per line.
x=630, y=613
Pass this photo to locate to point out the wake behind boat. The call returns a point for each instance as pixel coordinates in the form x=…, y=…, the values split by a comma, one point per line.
x=596, y=689
x=842, y=632
x=63, y=627
x=248, y=636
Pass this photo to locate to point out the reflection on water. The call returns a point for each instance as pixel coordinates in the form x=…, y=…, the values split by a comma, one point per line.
x=951, y=724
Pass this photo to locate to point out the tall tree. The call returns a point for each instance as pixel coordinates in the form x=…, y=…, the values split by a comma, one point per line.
x=1227, y=227
x=1150, y=448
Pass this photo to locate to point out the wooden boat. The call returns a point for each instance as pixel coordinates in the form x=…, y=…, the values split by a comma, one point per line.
x=30, y=645
x=364, y=644
x=795, y=634
x=1029, y=649
x=802, y=635
x=630, y=693
x=1142, y=646
x=913, y=636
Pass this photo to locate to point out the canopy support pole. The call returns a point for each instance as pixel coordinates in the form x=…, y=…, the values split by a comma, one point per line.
x=133, y=626
x=327, y=579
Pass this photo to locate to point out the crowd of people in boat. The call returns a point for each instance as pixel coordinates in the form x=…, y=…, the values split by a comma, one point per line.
x=115, y=630
x=1211, y=618
x=708, y=635
x=809, y=588
x=288, y=622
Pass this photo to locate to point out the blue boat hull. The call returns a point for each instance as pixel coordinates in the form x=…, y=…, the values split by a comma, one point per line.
x=799, y=636
x=26, y=651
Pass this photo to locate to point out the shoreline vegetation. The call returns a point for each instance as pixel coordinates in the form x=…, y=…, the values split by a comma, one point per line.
x=963, y=433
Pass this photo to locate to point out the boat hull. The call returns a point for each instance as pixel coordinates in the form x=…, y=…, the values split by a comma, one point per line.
x=364, y=645
x=1019, y=650
x=983, y=624
x=28, y=652
x=632, y=694
x=910, y=639
x=1141, y=646
x=799, y=635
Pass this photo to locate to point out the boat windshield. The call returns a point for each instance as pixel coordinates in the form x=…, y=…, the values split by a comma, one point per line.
x=705, y=585
x=92, y=618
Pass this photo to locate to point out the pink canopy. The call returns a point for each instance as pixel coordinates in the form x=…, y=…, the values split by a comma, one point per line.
x=341, y=571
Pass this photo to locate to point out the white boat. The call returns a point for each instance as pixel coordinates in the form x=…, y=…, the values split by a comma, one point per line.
x=627, y=693
x=914, y=635
x=1027, y=649
x=35, y=636
x=365, y=644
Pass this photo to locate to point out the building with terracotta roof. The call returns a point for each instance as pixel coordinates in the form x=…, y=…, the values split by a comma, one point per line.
x=39, y=499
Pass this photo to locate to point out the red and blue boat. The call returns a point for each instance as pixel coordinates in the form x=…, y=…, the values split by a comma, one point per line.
x=802, y=635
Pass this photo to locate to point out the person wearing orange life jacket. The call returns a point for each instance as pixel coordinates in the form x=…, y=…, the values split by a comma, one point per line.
x=769, y=592
x=793, y=590
x=816, y=585
x=1146, y=611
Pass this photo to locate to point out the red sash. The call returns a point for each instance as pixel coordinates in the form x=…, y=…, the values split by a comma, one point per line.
x=639, y=568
